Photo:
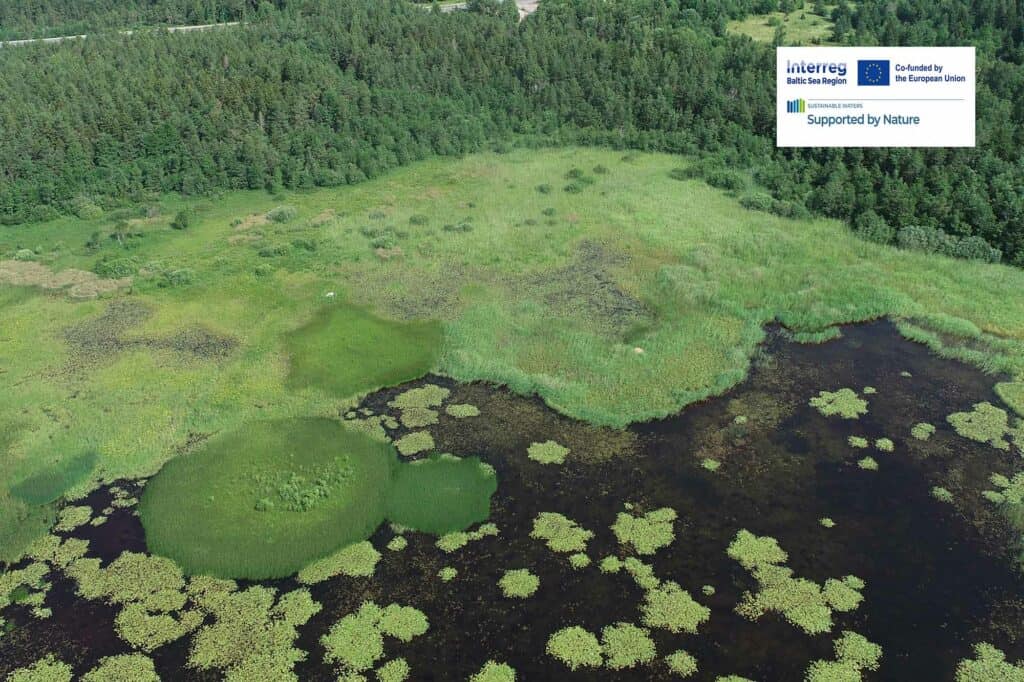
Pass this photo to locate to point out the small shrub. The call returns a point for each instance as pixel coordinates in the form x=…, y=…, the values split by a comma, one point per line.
x=274, y=251
x=177, y=278
x=24, y=254
x=183, y=219
x=418, y=219
x=530, y=221
x=282, y=214
x=873, y=227
x=305, y=244
x=725, y=179
x=574, y=174
x=600, y=170
x=263, y=270
x=85, y=208
x=573, y=188
x=544, y=188
x=116, y=268
x=548, y=212
x=758, y=201
x=681, y=174
x=463, y=226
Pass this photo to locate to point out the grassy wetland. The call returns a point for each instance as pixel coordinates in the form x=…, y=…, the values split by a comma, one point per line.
x=538, y=415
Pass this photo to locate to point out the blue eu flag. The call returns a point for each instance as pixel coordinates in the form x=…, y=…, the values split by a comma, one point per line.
x=872, y=72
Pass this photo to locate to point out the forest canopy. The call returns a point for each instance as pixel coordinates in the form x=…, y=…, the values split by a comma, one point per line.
x=323, y=93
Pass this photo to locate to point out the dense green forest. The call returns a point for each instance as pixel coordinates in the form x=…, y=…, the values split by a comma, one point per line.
x=321, y=93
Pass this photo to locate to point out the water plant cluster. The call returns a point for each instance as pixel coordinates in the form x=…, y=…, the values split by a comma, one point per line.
x=802, y=602
x=548, y=452
x=356, y=642
x=987, y=423
x=647, y=533
x=561, y=533
x=854, y=654
x=988, y=665
x=845, y=402
x=519, y=583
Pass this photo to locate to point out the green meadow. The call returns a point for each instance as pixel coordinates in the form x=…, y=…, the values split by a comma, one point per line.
x=592, y=279
x=800, y=26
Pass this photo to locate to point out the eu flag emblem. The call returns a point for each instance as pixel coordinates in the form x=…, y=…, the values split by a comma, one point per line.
x=872, y=72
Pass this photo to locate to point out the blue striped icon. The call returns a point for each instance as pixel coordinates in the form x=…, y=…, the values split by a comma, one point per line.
x=796, y=106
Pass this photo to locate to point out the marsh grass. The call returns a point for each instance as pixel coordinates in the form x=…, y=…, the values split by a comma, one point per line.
x=708, y=273
x=346, y=351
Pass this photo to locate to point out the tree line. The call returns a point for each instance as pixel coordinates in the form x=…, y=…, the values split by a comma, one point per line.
x=324, y=93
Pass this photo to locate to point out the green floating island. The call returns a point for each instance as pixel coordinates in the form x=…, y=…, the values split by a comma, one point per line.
x=266, y=500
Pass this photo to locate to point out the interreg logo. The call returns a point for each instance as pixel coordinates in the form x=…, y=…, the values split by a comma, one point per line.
x=872, y=72
x=796, y=106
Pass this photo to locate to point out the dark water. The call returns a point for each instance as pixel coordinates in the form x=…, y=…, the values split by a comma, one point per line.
x=939, y=577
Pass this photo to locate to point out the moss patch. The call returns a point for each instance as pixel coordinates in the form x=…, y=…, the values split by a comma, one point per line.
x=356, y=642
x=494, y=672
x=462, y=411
x=358, y=560
x=854, y=654
x=868, y=464
x=988, y=665
x=415, y=443
x=681, y=663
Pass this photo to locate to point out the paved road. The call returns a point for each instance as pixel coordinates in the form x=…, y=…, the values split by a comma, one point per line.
x=169, y=29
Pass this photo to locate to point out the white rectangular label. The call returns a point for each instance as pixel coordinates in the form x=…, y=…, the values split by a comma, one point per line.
x=874, y=96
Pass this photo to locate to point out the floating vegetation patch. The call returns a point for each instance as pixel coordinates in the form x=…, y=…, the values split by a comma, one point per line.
x=358, y=560
x=669, y=607
x=442, y=494
x=885, y=445
x=800, y=601
x=451, y=542
x=988, y=665
x=548, y=452
x=854, y=654
x=857, y=442
x=150, y=591
x=397, y=543
x=681, y=663
x=123, y=668
x=494, y=672
x=275, y=497
x=448, y=574
x=253, y=633
x=72, y=517
x=561, y=534
x=46, y=669
x=922, y=431
x=356, y=642
x=941, y=494
x=330, y=352
x=461, y=411
x=1008, y=490
x=648, y=533
x=826, y=522
x=519, y=583
x=868, y=464
x=415, y=443
x=422, y=397
x=579, y=561
x=845, y=402
x=625, y=646
x=575, y=647
x=987, y=423
x=710, y=464
x=418, y=417
x=869, y=390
